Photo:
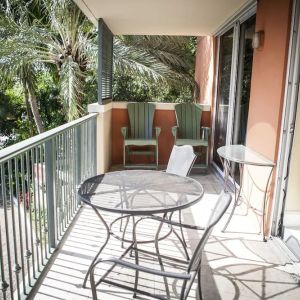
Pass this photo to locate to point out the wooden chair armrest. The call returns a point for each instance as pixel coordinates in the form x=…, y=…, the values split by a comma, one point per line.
x=124, y=131
x=174, y=131
x=157, y=131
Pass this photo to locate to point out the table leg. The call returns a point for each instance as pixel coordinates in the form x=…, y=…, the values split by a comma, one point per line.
x=264, y=206
x=236, y=193
x=101, y=249
x=158, y=254
x=136, y=256
x=181, y=239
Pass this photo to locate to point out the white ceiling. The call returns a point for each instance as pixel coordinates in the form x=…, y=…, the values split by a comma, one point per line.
x=161, y=17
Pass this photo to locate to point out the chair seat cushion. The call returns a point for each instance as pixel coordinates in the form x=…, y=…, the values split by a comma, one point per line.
x=140, y=142
x=180, y=142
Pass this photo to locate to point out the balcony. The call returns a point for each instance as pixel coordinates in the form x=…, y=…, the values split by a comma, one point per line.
x=48, y=239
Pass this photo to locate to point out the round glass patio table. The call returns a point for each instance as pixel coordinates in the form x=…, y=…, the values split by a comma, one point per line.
x=138, y=193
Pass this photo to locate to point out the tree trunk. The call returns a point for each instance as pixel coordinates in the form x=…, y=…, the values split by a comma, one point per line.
x=34, y=108
x=28, y=108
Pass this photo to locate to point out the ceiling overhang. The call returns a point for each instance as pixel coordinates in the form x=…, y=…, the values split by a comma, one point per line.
x=162, y=17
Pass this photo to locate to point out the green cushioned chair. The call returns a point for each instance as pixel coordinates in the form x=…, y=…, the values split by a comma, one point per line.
x=189, y=131
x=141, y=133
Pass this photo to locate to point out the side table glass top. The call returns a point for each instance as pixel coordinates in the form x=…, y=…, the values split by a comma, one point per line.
x=244, y=155
x=140, y=192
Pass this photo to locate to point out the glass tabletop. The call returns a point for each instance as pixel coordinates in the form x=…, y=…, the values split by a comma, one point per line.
x=244, y=155
x=140, y=192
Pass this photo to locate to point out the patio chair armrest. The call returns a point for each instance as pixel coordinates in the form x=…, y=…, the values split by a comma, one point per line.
x=157, y=131
x=205, y=133
x=174, y=131
x=124, y=131
x=129, y=265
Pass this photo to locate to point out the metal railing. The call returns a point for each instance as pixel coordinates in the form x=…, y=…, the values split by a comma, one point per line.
x=38, y=184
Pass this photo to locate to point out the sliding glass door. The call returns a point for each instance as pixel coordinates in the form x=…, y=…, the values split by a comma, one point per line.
x=233, y=90
x=222, y=103
x=243, y=82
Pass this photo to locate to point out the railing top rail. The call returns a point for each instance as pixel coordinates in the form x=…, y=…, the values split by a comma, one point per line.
x=27, y=144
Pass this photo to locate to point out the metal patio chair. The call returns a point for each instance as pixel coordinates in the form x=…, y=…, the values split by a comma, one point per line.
x=189, y=131
x=180, y=163
x=181, y=160
x=193, y=266
x=141, y=133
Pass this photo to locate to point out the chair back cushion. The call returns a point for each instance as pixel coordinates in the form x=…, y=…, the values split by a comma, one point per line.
x=188, y=117
x=141, y=120
x=181, y=160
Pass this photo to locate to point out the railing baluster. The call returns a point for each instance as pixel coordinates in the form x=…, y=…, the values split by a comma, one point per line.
x=50, y=190
x=17, y=267
x=61, y=195
x=27, y=250
x=94, y=139
x=64, y=180
x=45, y=229
x=38, y=185
x=17, y=161
x=29, y=204
x=5, y=284
x=57, y=186
x=68, y=177
x=7, y=229
x=72, y=164
x=35, y=190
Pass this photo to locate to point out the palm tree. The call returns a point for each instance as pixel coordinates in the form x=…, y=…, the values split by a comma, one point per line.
x=56, y=33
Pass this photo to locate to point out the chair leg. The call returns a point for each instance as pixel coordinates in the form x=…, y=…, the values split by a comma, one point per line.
x=207, y=155
x=181, y=229
x=156, y=153
x=124, y=155
x=199, y=284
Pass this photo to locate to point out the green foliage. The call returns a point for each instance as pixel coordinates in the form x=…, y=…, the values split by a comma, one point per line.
x=13, y=116
x=130, y=88
x=175, y=54
x=51, y=108
x=48, y=58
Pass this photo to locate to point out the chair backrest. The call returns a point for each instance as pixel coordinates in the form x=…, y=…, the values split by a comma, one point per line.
x=141, y=119
x=181, y=160
x=188, y=120
x=218, y=211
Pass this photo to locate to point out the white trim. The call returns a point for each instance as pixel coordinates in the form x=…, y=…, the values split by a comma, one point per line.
x=215, y=100
x=288, y=115
x=243, y=14
x=86, y=10
x=98, y=108
x=233, y=82
x=292, y=218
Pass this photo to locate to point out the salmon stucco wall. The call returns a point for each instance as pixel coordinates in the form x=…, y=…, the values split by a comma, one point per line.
x=162, y=118
x=204, y=68
x=268, y=81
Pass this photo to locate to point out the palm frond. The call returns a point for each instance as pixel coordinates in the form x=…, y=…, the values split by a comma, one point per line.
x=71, y=88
